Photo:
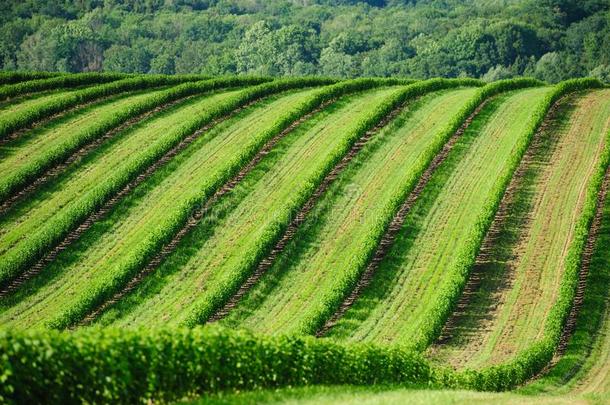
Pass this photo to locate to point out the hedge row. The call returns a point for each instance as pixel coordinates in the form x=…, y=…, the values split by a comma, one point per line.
x=57, y=82
x=316, y=322
x=531, y=361
x=54, y=230
x=121, y=273
x=17, y=121
x=122, y=366
x=16, y=77
x=34, y=167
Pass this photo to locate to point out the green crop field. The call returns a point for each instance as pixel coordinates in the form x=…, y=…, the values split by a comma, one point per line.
x=244, y=239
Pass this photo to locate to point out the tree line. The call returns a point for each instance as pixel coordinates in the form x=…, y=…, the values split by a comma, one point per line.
x=548, y=39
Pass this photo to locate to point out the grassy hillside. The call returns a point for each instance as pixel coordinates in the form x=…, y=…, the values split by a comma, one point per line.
x=303, y=240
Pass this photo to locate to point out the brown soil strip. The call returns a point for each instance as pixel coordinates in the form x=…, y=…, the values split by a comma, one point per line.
x=487, y=253
x=197, y=215
x=391, y=233
x=79, y=154
x=299, y=218
x=99, y=214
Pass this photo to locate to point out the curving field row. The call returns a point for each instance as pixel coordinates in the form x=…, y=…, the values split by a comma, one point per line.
x=337, y=239
x=441, y=233
x=522, y=274
x=254, y=215
x=437, y=236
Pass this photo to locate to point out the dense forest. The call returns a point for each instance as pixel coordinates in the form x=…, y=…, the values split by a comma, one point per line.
x=492, y=39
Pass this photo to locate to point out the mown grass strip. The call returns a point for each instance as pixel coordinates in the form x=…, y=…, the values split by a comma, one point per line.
x=255, y=218
x=21, y=245
x=41, y=150
x=73, y=99
x=528, y=265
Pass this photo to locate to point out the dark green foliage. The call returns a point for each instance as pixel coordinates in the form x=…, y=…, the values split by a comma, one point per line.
x=119, y=366
x=16, y=77
x=350, y=38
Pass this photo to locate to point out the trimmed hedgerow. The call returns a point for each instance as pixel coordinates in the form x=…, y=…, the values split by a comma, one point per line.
x=121, y=366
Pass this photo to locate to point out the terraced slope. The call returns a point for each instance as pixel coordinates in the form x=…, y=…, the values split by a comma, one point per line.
x=221, y=253
x=315, y=272
x=24, y=158
x=429, y=253
x=521, y=275
x=41, y=221
x=149, y=216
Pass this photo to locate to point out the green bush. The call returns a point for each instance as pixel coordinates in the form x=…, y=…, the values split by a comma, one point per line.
x=122, y=366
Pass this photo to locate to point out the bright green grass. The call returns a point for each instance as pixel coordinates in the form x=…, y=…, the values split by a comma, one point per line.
x=537, y=257
x=204, y=268
x=332, y=247
x=50, y=210
x=395, y=308
x=355, y=395
x=103, y=257
x=40, y=147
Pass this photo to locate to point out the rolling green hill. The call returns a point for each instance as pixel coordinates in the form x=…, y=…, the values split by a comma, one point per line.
x=303, y=240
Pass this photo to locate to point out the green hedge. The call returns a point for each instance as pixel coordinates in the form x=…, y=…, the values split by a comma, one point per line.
x=32, y=168
x=132, y=263
x=17, y=121
x=122, y=366
x=16, y=77
x=52, y=232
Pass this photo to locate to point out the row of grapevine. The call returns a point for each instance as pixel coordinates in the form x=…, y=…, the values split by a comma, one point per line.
x=532, y=360
x=17, y=121
x=16, y=77
x=35, y=166
x=16, y=260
